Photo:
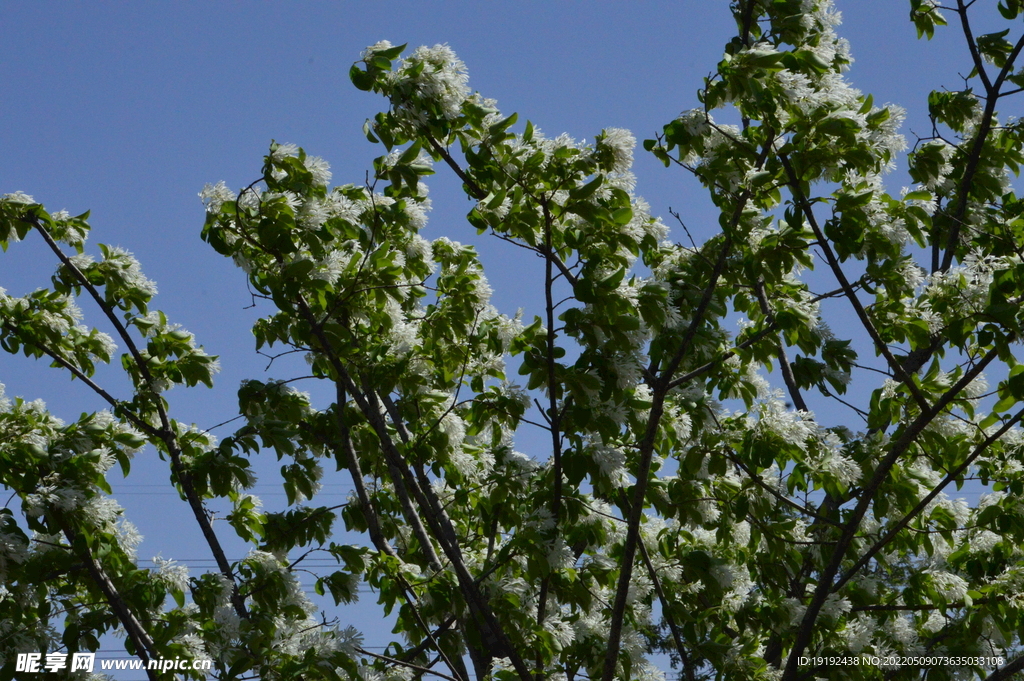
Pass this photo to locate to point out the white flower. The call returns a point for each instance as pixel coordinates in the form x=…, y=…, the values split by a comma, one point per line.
x=216, y=195
x=418, y=248
x=509, y=328
x=612, y=463
x=835, y=606
x=18, y=197
x=621, y=143
x=977, y=387
x=283, y=151
x=106, y=459
x=194, y=645
x=560, y=556
x=404, y=337
x=129, y=537
x=106, y=343
x=795, y=427
x=949, y=585
x=320, y=169
x=125, y=265
x=858, y=632
x=900, y=629
x=441, y=80
x=376, y=47
x=709, y=511
x=332, y=266
x=741, y=533
x=172, y=574
x=984, y=541
x=314, y=213
x=455, y=428
x=935, y=622
x=628, y=370
x=416, y=211
x=349, y=638
x=341, y=206
x=841, y=467
x=228, y=622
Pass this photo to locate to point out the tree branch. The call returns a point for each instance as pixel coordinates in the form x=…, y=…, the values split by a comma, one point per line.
x=408, y=665
x=1010, y=671
x=851, y=295
x=984, y=128
x=923, y=504
x=827, y=576
x=376, y=535
x=784, y=366
x=972, y=46
x=143, y=643
x=435, y=516
x=166, y=433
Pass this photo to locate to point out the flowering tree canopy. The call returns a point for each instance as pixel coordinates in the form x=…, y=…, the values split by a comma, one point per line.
x=687, y=501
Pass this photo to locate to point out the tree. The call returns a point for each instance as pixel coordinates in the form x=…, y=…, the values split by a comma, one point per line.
x=689, y=500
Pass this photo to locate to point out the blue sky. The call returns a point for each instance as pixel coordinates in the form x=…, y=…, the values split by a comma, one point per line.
x=127, y=109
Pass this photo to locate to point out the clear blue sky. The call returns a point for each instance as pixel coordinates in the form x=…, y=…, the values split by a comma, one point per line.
x=127, y=109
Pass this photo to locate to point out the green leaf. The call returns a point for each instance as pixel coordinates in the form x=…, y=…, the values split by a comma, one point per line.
x=360, y=78
x=622, y=216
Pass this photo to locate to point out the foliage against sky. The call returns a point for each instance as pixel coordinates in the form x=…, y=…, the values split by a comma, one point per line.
x=688, y=501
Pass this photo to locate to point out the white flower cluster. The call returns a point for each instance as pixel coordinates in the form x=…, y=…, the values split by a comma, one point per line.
x=214, y=196
x=940, y=182
x=949, y=585
x=621, y=144
x=18, y=197
x=611, y=461
x=793, y=427
x=430, y=75
x=129, y=270
x=173, y=575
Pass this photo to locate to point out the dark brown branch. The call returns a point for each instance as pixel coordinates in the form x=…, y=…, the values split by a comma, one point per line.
x=554, y=414
x=377, y=536
x=666, y=612
x=899, y=448
x=646, y=449
x=923, y=504
x=165, y=433
x=973, y=160
x=440, y=524
x=659, y=390
x=851, y=295
x=143, y=643
x=409, y=665
x=784, y=366
x=972, y=46
x=1010, y=671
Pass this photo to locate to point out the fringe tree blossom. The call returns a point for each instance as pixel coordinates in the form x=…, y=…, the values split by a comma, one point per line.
x=742, y=501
